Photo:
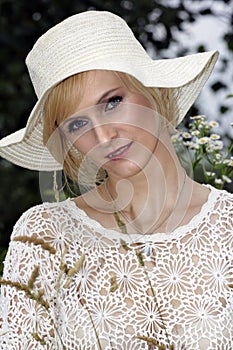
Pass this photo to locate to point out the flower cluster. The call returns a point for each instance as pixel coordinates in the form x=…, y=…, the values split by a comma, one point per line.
x=208, y=153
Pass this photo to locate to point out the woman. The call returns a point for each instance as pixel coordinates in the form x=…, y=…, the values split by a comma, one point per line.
x=144, y=259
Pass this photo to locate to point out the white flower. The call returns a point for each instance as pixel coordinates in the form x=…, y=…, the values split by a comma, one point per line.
x=186, y=136
x=209, y=173
x=215, y=146
x=214, y=124
x=229, y=162
x=176, y=137
x=187, y=143
x=191, y=145
x=196, y=117
x=218, y=156
x=195, y=132
x=209, y=148
x=206, y=125
x=194, y=145
x=218, y=181
x=215, y=137
x=204, y=140
x=226, y=179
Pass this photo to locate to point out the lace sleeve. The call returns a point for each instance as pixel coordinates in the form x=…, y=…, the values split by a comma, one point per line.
x=28, y=291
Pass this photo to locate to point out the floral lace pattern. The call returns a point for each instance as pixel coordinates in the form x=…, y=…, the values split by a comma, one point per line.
x=190, y=270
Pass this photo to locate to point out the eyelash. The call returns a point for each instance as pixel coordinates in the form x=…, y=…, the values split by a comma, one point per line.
x=72, y=126
x=115, y=100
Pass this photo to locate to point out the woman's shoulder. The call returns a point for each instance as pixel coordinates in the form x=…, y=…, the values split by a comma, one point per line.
x=45, y=210
x=220, y=208
x=221, y=196
x=44, y=219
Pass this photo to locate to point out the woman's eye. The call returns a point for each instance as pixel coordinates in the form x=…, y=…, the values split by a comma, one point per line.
x=76, y=125
x=113, y=102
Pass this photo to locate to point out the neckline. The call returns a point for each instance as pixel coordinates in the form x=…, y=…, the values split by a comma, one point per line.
x=136, y=237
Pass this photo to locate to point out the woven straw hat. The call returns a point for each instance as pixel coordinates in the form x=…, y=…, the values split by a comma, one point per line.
x=97, y=40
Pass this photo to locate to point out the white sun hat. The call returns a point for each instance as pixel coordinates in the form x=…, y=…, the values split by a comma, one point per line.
x=97, y=40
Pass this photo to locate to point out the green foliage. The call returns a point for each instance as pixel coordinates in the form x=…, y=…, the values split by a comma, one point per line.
x=210, y=158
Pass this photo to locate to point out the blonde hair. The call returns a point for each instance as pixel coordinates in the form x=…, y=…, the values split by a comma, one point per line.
x=63, y=101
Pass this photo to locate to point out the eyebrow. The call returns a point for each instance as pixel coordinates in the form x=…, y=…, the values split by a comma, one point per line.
x=102, y=97
x=106, y=94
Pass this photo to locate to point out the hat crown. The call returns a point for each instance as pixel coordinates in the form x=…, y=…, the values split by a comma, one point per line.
x=82, y=39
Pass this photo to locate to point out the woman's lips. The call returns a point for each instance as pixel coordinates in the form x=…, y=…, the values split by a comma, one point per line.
x=119, y=152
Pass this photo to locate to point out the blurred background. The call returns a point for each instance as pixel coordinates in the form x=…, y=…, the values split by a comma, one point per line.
x=166, y=28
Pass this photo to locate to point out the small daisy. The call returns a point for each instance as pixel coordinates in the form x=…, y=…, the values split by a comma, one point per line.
x=195, y=132
x=218, y=156
x=214, y=137
x=204, y=140
x=187, y=136
x=209, y=148
x=217, y=145
x=214, y=124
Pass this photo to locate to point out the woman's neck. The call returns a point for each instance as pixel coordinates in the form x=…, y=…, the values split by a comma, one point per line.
x=150, y=196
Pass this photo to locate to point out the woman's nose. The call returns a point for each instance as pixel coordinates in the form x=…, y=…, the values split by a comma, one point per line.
x=105, y=132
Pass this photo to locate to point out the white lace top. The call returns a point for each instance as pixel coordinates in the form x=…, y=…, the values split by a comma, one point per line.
x=108, y=302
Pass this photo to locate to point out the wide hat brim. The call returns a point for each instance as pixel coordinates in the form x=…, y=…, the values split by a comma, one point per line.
x=185, y=76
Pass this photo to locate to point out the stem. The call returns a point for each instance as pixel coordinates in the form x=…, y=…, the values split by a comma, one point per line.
x=36, y=298
x=141, y=262
x=92, y=322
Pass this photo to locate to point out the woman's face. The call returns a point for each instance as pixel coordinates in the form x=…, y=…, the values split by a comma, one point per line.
x=113, y=125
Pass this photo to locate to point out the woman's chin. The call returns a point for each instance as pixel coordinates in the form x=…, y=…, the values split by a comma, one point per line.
x=122, y=168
